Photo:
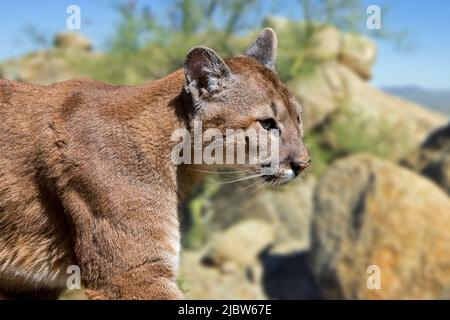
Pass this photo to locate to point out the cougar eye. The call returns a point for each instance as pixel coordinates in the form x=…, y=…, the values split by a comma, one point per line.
x=268, y=124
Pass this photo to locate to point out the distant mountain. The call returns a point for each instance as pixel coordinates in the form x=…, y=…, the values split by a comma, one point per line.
x=436, y=100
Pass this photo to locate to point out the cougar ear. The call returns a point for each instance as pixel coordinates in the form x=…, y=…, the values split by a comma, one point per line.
x=264, y=49
x=205, y=71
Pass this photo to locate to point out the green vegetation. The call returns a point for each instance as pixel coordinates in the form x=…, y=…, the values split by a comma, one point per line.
x=181, y=282
x=200, y=210
x=146, y=46
x=347, y=131
x=351, y=132
x=321, y=155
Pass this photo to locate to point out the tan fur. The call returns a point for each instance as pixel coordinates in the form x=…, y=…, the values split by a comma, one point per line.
x=86, y=178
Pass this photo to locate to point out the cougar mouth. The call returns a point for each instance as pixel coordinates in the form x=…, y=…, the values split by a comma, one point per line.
x=269, y=178
x=281, y=178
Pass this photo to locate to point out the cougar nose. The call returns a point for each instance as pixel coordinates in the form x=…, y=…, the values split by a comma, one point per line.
x=300, y=165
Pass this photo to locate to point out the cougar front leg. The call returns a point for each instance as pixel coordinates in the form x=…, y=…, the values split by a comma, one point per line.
x=142, y=283
x=152, y=279
x=127, y=245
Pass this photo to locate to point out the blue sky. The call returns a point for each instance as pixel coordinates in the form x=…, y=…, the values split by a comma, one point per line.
x=428, y=22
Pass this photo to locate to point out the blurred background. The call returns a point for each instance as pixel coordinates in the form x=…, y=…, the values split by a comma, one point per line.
x=371, y=219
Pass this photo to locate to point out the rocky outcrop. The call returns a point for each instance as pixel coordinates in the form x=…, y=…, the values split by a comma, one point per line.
x=333, y=92
x=370, y=212
x=341, y=64
x=320, y=93
x=432, y=159
x=72, y=41
x=325, y=44
x=240, y=245
x=359, y=54
x=402, y=125
x=287, y=210
x=53, y=65
x=199, y=281
x=244, y=262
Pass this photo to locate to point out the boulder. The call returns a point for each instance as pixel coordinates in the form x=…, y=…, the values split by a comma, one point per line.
x=372, y=214
x=72, y=41
x=38, y=67
x=53, y=65
x=333, y=90
x=325, y=40
x=433, y=158
x=198, y=281
x=359, y=54
x=326, y=44
x=288, y=210
x=240, y=264
x=241, y=244
x=376, y=119
x=320, y=93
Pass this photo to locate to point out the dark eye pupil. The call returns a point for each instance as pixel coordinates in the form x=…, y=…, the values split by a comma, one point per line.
x=268, y=124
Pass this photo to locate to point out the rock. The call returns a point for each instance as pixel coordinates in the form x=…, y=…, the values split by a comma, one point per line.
x=372, y=212
x=202, y=282
x=241, y=244
x=333, y=90
x=287, y=210
x=325, y=40
x=433, y=158
x=326, y=44
x=38, y=68
x=359, y=54
x=72, y=41
x=285, y=275
x=393, y=126
x=11, y=71
x=320, y=93
x=53, y=65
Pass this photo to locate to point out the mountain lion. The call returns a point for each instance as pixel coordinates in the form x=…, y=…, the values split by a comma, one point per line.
x=86, y=177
